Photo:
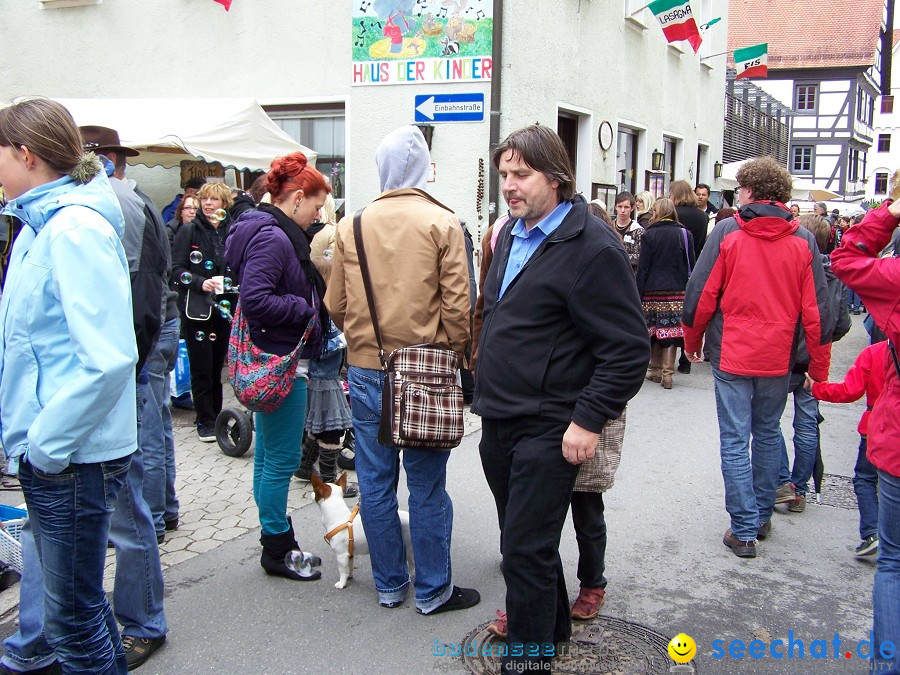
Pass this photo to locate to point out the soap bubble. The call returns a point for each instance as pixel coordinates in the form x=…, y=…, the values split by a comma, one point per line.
x=199, y=335
x=212, y=337
x=225, y=306
x=208, y=264
x=196, y=257
x=226, y=282
x=220, y=214
x=186, y=278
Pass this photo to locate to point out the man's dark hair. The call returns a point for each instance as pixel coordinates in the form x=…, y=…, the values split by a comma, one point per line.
x=704, y=186
x=625, y=197
x=196, y=182
x=543, y=150
x=119, y=160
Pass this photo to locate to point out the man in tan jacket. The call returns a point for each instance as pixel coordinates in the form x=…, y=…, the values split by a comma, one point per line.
x=417, y=262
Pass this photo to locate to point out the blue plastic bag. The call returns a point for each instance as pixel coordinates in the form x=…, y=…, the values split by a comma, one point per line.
x=181, y=384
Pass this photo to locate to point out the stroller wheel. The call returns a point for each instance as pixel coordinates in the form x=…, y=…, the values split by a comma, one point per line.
x=234, y=431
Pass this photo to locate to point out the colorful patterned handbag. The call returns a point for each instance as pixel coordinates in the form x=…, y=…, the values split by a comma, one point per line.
x=261, y=381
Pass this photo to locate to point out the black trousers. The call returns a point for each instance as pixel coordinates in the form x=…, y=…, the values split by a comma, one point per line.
x=532, y=486
x=590, y=533
x=207, y=357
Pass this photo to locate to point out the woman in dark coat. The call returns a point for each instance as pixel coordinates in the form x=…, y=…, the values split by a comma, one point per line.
x=281, y=299
x=667, y=258
x=198, y=257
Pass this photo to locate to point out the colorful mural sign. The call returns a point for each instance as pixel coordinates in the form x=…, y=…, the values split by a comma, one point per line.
x=421, y=41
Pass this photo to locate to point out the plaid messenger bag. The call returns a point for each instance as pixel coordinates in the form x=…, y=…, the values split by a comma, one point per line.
x=422, y=402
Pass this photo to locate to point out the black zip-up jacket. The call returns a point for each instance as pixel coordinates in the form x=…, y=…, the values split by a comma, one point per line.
x=567, y=341
x=663, y=265
x=198, y=235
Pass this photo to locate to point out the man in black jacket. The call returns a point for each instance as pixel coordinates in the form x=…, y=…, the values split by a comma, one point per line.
x=563, y=348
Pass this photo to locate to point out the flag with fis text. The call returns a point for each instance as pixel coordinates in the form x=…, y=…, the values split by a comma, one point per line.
x=752, y=61
x=677, y=21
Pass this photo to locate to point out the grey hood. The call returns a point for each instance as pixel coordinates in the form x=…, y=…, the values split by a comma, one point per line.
x=403, y=160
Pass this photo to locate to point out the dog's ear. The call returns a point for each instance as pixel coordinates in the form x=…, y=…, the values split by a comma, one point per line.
x=342, y=481
x=322, y=490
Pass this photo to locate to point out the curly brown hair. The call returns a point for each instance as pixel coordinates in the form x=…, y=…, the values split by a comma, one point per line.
x=766, y=179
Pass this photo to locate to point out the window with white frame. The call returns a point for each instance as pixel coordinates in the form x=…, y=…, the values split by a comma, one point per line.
x=802, y=159
x=806, y=97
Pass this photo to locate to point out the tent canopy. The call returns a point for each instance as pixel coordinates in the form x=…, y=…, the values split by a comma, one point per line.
x=803, y=188
x=236, y=132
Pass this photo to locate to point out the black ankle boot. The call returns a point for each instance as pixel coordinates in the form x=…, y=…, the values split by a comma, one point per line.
x=328, y=457
x=310, y=454
x=276, y=548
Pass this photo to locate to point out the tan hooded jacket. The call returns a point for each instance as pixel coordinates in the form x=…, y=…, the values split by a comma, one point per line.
x=420, y=277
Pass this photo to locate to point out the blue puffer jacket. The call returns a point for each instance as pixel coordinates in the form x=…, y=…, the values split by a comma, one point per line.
x=67, y=345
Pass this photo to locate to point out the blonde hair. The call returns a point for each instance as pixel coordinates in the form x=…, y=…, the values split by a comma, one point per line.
x=663, y=209
x=219, y=190
x=646, y=199
x=328, y=210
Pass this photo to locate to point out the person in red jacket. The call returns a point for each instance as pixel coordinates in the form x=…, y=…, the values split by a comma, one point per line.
x=866, y=376
x=758, y=276
x=877, y=282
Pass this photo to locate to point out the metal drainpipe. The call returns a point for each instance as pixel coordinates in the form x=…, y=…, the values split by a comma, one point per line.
x=496, y=77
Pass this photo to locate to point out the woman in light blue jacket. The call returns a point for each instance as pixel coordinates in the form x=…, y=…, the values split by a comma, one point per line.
x=67, y=359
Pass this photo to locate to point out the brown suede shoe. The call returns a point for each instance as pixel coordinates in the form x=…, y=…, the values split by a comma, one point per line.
x=742, y=549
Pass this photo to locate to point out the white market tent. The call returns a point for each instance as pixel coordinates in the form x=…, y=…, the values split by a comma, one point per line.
x=236, y=132
x=803, y=189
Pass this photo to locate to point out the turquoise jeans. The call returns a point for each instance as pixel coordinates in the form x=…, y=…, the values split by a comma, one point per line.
x=279, y=437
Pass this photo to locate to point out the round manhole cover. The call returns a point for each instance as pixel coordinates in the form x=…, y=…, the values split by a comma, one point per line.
x=837, y=491
x=605, y=645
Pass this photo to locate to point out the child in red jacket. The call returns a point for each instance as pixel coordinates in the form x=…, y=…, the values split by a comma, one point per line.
x=866, y=376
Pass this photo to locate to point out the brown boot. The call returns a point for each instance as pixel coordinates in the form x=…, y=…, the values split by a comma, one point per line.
x=668, y=366
x=654, y=374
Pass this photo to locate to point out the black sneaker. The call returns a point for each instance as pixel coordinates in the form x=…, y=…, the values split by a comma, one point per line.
x=461, y=598
x=53, y=669
x=160, y=537
x=171, y=524
x=868, y=546
x=206, y=432
x=138, y=650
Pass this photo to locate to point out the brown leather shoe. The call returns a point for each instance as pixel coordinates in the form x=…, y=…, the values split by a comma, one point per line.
x=764, y=530
x=742, y=549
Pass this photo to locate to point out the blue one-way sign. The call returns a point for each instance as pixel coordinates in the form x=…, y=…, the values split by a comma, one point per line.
x=450, y=108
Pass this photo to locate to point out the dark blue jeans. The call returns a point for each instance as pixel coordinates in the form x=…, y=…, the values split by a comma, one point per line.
x=865, y=485
x=886, y=591
x=70, y=514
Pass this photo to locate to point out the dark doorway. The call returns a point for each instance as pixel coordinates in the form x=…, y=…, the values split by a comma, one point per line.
x=567, y=128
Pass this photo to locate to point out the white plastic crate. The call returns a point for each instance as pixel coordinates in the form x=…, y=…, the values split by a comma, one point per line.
x=10, y=547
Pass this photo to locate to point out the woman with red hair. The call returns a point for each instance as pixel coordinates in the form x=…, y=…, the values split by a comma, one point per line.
x=281, y=290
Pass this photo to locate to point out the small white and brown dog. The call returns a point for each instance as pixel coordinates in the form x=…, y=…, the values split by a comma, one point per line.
x=344, y=528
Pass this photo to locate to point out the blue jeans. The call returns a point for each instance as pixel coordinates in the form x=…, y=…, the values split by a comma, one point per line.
x=279, y=438
x=806, y=437
x=138, y=592
x=430, y=507
x=886, y=591
x=158, y=443
x=69, y=515
x=854, y=302
x=750, y=406
x=865, y=485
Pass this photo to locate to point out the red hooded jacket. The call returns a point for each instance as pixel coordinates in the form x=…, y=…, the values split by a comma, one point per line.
x=866, y=376
x=759, y=281
x=877, y=281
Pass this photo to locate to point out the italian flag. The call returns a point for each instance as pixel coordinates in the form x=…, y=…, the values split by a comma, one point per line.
x=677, y=21
x=752, y=61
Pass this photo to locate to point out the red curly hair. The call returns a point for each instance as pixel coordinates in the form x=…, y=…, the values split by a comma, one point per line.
x=293, y=172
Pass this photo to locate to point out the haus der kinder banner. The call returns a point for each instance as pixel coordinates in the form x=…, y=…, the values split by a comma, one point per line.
x=421, y=41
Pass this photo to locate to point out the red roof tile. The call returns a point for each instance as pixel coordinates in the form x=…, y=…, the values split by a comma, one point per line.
x=802, y=34
x=895, y=37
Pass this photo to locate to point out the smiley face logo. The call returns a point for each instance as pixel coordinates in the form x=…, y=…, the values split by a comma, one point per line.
x=682, y=648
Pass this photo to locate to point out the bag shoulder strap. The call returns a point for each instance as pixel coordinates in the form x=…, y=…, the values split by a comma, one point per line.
x=687, y=254
x=367, y=281
x=894, y=356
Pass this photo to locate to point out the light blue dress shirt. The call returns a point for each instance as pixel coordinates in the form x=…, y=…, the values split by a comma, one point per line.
x=525, y=243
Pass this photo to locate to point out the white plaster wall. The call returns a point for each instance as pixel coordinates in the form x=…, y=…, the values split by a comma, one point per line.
x=574, y=52
x=885, y=123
